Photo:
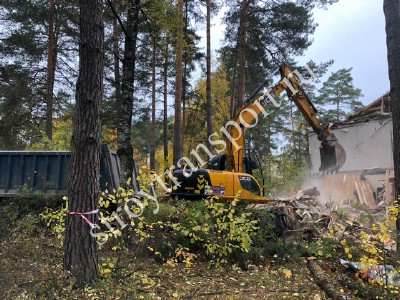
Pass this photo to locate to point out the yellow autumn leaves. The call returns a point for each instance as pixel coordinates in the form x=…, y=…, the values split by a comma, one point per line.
x=288, y=274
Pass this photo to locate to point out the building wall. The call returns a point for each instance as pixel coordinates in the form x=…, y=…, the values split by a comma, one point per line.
x=367, y=145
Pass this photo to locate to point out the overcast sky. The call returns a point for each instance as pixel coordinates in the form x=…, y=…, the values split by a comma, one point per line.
x=352, y=33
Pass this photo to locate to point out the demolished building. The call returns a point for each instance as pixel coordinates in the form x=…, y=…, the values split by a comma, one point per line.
x=367, y=176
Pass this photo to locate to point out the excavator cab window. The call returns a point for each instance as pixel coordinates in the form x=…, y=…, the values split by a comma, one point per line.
x=217, y=162
x=254, y=164
x=248, y=183
x=250, y=164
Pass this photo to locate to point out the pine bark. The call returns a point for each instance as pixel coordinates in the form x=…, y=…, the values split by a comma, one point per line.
x=124, y=129
x=178, y=140
x=153, y=107
x=208, y=80
x=242, y=50
x=117, y=75
x=51, y=68
x=327, y=283
x=391, y=10
x=185, y=58
x=165, y=75
x=80, y=256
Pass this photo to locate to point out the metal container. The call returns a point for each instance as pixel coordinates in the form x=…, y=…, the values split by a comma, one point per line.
x=47, y=171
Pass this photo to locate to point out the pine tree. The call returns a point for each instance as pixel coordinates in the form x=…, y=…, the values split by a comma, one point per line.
x=80, y=255
x=34, y=35
x=178, y=138
x=391, y=9
x=196, y=121
x=339, y=92
x=165, y=101
x=125, y=107
x=208, y=72
x=260, y=35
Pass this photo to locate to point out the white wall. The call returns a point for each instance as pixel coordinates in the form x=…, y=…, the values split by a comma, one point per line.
x=367, y=146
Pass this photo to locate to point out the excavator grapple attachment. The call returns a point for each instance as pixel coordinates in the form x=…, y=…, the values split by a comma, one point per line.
x=332, y=155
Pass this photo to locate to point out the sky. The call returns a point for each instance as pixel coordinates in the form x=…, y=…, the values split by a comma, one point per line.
x=352, y=33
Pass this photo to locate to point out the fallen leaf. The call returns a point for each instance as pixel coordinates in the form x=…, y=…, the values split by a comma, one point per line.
x=287, y=273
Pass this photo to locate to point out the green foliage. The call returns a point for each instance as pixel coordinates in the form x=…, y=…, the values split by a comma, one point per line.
x=141, y=127
x=17, y=101
x=161, y=14
x=366, y=248
x=339, y=92
x=15, y=218
x=223, y=230
x=29, y=200
x=55, y=220
x=274, y=241
x=62, y=133
x=20, y=213
x=28, y=224
x=219, y=230
x=267, y=230
x=23, y=71
x=276, y=31
x=286, y=174
x=107, y=266
x=342, y=214
x=196, y=107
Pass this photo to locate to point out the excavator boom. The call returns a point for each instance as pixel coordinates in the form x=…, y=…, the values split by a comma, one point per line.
x=229, y=175
x=332, y=153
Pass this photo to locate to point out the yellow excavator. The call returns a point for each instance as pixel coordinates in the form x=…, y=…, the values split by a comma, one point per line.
x=229, y=175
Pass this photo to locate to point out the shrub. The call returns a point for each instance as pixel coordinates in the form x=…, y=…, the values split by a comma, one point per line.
x=222, y=231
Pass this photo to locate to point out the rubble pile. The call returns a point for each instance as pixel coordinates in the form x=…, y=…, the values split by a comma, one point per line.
x=304, y=212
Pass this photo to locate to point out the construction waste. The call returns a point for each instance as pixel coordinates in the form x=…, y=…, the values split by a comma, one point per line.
x=304, y=212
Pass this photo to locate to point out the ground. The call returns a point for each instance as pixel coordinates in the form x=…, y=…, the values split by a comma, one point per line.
x=31, y=263
x=31, y=268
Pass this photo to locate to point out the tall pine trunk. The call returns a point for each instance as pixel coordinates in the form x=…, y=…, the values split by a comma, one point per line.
x=337, y=109
x=185, y=58
x=242, y=50
x=233, y=87
x=153, y=106
x=51, y=67
x=80, y=255
x=208, y=80
x=124, y=129
x=178, y=140
x=117, y=75
x=165, y=75
x=391, y=9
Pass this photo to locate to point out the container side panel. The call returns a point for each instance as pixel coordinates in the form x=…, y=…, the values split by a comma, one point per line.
x=39, y=183
x=15, y=172
x=27, y=170
x=53, y=168
x=4, y=173
x=65, y=163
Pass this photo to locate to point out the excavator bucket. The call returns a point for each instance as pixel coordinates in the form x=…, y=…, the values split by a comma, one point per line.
x=333, y=156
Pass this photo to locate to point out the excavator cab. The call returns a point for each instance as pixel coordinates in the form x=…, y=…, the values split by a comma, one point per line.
x=217, y=162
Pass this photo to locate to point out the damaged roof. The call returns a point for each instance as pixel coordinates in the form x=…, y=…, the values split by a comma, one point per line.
x=378, y=109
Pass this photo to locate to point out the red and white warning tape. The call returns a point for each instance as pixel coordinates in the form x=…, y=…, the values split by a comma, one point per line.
x=92, y=212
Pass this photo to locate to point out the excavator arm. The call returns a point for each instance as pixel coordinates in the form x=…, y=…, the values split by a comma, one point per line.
x=246, y=115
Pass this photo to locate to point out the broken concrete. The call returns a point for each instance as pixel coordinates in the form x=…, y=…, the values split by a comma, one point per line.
x=367, y=175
